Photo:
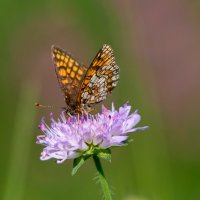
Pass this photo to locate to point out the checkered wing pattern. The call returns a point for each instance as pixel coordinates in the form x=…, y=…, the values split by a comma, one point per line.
x=100, y=79
x=70, y=75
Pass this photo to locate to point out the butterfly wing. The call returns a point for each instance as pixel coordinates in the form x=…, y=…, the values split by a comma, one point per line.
x=101, y=77
x=70, y=74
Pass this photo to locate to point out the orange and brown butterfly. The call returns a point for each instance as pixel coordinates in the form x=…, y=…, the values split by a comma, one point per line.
x=83, y=86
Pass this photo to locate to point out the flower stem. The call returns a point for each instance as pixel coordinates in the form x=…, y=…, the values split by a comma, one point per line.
x=102, y=178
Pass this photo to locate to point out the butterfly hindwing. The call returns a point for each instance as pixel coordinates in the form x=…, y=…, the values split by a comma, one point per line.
x=101, y=77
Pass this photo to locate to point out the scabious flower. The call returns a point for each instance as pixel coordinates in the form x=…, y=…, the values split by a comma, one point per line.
x=72, y=137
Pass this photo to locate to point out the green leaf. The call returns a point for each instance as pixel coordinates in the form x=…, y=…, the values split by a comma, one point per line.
x=78, y=162
x=104, y=154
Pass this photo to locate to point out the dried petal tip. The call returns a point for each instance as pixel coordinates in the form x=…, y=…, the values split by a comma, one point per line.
x=69, y=138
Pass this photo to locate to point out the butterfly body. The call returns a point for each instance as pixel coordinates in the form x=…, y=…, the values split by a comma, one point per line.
x=83, y=86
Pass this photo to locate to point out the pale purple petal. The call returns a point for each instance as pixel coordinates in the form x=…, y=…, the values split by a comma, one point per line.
x=118, y=140
x=138, y=129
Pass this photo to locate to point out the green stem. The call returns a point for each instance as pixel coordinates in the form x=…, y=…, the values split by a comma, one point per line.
x=102, y=178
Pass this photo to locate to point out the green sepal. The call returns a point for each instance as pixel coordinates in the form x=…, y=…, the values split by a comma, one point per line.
x=104, y=154
x=129, y=141
x=78, y=162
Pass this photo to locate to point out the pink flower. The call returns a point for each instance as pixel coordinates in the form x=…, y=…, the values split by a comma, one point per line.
x=72, y=137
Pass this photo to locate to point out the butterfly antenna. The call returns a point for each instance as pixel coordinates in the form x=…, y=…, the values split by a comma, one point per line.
x=43, y=106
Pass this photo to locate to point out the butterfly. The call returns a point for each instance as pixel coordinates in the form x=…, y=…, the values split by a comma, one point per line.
x=84, y=87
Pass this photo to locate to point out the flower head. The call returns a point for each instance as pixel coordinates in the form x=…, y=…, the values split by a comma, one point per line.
x=71, y=137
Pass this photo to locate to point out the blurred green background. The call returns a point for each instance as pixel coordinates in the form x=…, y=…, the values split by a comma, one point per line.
x=156, y=45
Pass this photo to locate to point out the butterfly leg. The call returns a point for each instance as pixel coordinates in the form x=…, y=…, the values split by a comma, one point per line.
x=78, y=117
x=68, y=114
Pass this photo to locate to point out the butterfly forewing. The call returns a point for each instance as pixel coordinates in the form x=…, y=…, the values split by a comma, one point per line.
x=104, y=57
x=101, y=77
x=70, y=74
